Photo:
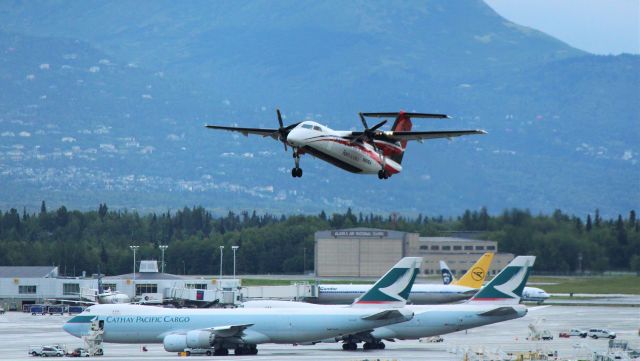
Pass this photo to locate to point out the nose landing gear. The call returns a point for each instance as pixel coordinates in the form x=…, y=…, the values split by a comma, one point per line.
x=297, y=171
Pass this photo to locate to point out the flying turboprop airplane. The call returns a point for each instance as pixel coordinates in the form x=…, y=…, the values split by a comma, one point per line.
x=529, y=294
x=371, y=151
x=242, y=329
x=421, y=293
x=498, y=301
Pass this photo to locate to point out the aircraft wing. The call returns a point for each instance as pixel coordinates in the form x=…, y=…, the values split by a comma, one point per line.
x=383, y=315
x=500, y=311
x=430, y=134
x=229, y=330
x=265, y=132
x=71, y=301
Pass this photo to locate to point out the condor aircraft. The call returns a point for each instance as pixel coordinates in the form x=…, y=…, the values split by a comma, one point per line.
x=371, y=151
x=421, y=294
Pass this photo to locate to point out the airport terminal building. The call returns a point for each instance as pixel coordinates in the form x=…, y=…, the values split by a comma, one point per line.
x=370, y=252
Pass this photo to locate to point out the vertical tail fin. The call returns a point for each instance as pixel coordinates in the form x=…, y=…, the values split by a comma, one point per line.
x=394, y=287
x=402, y=124
x=476, y=275
x=507, y=286
x=447, y=276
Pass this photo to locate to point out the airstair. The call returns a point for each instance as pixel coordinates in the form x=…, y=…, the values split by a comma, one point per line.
x=93, y=341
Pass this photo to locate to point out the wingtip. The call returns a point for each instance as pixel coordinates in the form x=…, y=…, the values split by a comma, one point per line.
x=482, y=131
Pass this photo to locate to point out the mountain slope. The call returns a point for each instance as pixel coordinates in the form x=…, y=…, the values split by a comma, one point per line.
x=134, y=89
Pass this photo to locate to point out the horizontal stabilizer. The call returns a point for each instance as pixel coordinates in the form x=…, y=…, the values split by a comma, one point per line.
x=229, y=331
x=500, y=311
x=410, y=115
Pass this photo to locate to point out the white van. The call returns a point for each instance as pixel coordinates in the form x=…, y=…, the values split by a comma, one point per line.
x=601, y=333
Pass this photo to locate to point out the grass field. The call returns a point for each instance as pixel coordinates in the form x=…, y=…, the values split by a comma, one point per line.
x=593, y=284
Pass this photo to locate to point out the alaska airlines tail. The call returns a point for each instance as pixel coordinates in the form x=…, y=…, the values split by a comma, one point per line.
x=476, y=275
x=447, y=276
x=394, y=287
x=507, y=286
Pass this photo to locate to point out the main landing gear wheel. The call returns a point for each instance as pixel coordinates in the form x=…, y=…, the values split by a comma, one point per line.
x=382, y=174
x=246, y=350
x=378, y=345
x=296, y=172
x=221, y=352
x=349, y=346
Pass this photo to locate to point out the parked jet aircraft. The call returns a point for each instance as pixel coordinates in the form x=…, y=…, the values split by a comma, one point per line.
x=498, y=301
x=529, y=294
x=371, y=151
x=93, y=296
x=474, y=277
x=421, y=294
x=242, y=329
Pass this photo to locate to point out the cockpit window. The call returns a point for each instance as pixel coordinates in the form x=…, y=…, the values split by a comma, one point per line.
x=315, y=127
x=307, y=126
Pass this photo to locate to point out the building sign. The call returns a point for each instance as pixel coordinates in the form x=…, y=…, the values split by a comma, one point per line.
x=359, y=234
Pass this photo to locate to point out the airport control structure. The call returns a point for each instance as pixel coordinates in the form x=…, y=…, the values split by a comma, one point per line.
x=368, y=252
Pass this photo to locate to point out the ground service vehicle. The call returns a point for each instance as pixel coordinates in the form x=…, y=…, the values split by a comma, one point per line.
x=596, y=333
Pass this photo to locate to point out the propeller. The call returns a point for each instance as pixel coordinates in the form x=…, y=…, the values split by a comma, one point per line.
x=282, y=131
x=369, y=133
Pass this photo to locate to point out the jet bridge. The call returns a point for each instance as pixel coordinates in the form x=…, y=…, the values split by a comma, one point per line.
x=231, y=293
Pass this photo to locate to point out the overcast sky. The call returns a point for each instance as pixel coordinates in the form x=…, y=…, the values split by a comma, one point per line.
x=596, y=26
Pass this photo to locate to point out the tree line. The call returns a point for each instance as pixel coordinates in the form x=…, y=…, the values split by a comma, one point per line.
x=79, y=241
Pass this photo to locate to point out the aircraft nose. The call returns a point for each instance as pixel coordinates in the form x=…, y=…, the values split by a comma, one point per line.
x=294, y=137
x=77, y=329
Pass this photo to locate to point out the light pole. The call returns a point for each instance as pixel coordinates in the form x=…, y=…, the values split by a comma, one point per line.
x=163, y=247
x=234, y=248
x=134, y=248
x=221, y=250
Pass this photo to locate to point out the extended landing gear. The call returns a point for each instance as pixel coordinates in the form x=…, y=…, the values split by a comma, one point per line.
x=297, y=171
x=349, y=346
x=383, y=174
x=221, y=352
x=246, y=350
x=373, y=345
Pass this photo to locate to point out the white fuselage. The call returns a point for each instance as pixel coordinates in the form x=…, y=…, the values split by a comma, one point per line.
x=149, y=324
x=534, y=294
x=421, y=294
x=332, y=146
x=427, y=320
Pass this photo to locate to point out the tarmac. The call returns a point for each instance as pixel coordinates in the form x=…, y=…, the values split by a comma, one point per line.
x=18, y=331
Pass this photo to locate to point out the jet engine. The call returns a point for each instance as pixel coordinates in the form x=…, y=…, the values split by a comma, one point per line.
x=192, y=339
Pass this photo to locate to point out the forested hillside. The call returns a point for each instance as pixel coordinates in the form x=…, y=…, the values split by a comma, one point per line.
x=78, y=241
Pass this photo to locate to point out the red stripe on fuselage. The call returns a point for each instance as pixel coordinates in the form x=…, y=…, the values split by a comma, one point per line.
x=375, y=156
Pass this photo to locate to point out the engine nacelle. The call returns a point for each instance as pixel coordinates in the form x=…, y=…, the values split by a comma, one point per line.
x=192, y=339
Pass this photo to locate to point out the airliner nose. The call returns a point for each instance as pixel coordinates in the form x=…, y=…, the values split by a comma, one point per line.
x=78, y=326
x=294, y=137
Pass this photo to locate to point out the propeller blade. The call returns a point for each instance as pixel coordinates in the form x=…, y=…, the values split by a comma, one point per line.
x=279, y=118
x=364, y=122
x=375, y=127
